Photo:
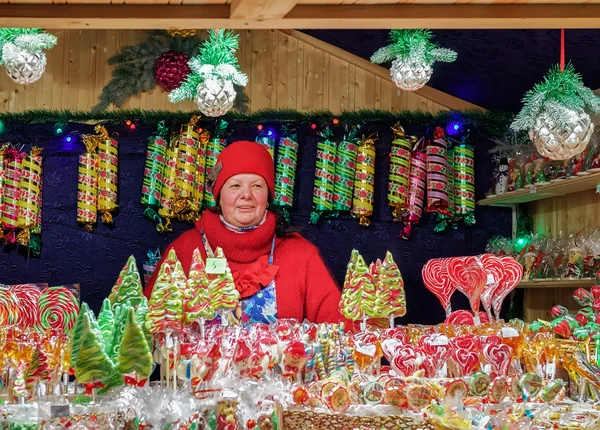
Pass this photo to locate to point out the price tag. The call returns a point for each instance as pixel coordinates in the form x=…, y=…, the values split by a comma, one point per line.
x=367, y=350
x=550, y=369
x=169, y=340
x=216, y=266
x=444, y=370
x=59, y=411
x=490, y=279
x=509, y=332
x=440, y=340
x=533, y=189
x=487, y=369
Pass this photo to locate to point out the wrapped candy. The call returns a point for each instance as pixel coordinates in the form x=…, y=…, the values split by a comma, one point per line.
x=447, y=217
x=201, y=165
x=437, y=173
x=108, y=165
x=149, y=266
x=169, y=186
x=267, y=139
x=224, y=297
x=213, y=149
x=285, y=171
x=166, y=304
x=134, y=356
x=464, y=182
x=30, y=184
x=399, y=170
x=12, y=192
x=324, y=176
x=345, y=169
x=3, y=149
x=185, y=205
x=390, y=300
x=416, y=191
x=154, y=171
x=196, y=300
x=364, y=181
x=87, y=186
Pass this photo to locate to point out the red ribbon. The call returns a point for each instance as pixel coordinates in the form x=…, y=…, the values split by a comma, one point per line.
x=130, y=380
x=89, y=388
x=257, y=275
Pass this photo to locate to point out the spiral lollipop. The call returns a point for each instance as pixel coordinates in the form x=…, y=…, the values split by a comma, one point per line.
x=185, y=205
x=399, y=170
x=9, y=308
x=154, y=172
x=285, y=171
x=31, y=191
x=58, y=309
x=27, y=297
x=169, y=186
x=324, y=176
x=87, y=184
x=364, y=181
x=416, y=193
x=345, y=169
x=108, y=162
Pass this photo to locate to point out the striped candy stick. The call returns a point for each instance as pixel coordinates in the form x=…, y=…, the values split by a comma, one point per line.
x=87, y=184
x=399, y=170
x=345, y=169
x=285, y=170
x=416, y=196
x=213, y=150
x=170, y=181
x=464, y=182
x=437, y=173
x=31, y=189
x=12, y=192
x=201, y=168
x=364, y=180
x=108, y=173
x=324, y=176
x=154, y=171
x=184, y=206
x=3, y=149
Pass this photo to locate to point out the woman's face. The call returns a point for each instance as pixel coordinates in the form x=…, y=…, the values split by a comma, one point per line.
x=244, y=199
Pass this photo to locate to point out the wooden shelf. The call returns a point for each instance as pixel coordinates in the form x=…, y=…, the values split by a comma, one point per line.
x=570, y=185
x=562, y=283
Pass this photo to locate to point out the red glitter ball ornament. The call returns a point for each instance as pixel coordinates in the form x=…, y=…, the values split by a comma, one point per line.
x=171, y=69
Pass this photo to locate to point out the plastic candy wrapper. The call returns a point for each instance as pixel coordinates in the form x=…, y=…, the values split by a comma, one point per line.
x=213, y=149
x=436, y=279
x=356, y=283
x=399, y=170
x=108, y=173
x=11, y=192
x=437, y=173
x=154, y=171
x=149, y=266
x=128, y=287
x=364, y=181
x=266, y=137
x=167, y=198
x=201, y=163
x=30, y=183
x=285, y=171
x=345, y=168
x=324, y=176
x=87, y=186
x=185, y=205
x=416, y=190
x=447, y=217
x=464, y=182
x=3, y=149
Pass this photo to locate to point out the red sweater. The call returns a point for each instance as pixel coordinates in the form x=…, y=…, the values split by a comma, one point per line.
x=304, y=286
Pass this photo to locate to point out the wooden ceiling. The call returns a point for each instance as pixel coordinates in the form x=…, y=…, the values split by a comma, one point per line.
x=300, y=14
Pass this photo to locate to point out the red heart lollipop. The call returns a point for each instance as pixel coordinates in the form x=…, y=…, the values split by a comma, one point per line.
x=437, y=346
x=465, y=341
x=482, y=341
x=436, y=280
x=463, y=317
x=499, y=358
x=513, y=273
x=405, y=362
x=466, y=360
x=469, y=277
x=495, y=272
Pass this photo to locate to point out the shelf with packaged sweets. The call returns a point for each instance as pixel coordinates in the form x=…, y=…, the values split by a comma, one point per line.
x=557, y=283
x=587, y=180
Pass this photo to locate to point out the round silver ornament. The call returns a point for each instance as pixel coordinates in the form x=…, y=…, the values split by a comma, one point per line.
x=215, y=96
x=562, y=144
x=410, y=75
x=27, y=67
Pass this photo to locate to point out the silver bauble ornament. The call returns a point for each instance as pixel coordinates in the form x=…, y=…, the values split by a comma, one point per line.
x=215, y=96
x=27, y=67
x=562, y=144
x=412, y=74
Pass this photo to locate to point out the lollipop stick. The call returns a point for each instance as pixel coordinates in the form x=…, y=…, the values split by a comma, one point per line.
x=448, y=310
x=391, y=321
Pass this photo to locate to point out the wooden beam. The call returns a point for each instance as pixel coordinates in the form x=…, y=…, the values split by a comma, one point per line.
x=357, y=16
x=444, y=99
x=260, y=10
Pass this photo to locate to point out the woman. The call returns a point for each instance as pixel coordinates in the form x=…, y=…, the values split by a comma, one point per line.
x=278, y=274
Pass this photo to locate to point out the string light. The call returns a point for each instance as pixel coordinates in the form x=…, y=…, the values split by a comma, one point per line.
x=1, y=126
x=260, y=127
x=128, y=122
x=336, y=121
x=313, y=126
x=132, y=126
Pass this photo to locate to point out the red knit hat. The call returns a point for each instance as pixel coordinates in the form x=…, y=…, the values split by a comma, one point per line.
x=245, y=157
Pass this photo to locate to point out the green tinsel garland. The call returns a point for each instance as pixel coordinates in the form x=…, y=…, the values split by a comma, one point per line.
x=493, y=123
x=413, y=43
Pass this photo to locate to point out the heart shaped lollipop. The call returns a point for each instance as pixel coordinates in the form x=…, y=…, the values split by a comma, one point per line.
x=463, y=317
x=469, y=277
x=466, y=360
x=499, y=358
x=495, y=272
x=513, y=273
x=436, y=280
x=405, y=362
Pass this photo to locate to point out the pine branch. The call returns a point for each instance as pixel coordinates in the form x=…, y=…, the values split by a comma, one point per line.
x=414, y=44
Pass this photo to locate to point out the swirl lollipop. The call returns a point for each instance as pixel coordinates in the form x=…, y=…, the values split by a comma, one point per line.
x=513, y=273
x=495, y=272
x=469, y=277
x=58, y=308
x=436, y=280
x=9, y=308
x=28, y=300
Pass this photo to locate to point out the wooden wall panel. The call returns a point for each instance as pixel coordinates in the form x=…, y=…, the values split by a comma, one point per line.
x=286, y=70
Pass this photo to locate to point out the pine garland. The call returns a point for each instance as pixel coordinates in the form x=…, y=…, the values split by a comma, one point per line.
x=413, y=44
x=560, y=93
x=13, y=41
x=216, y=59
x=493, y=123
